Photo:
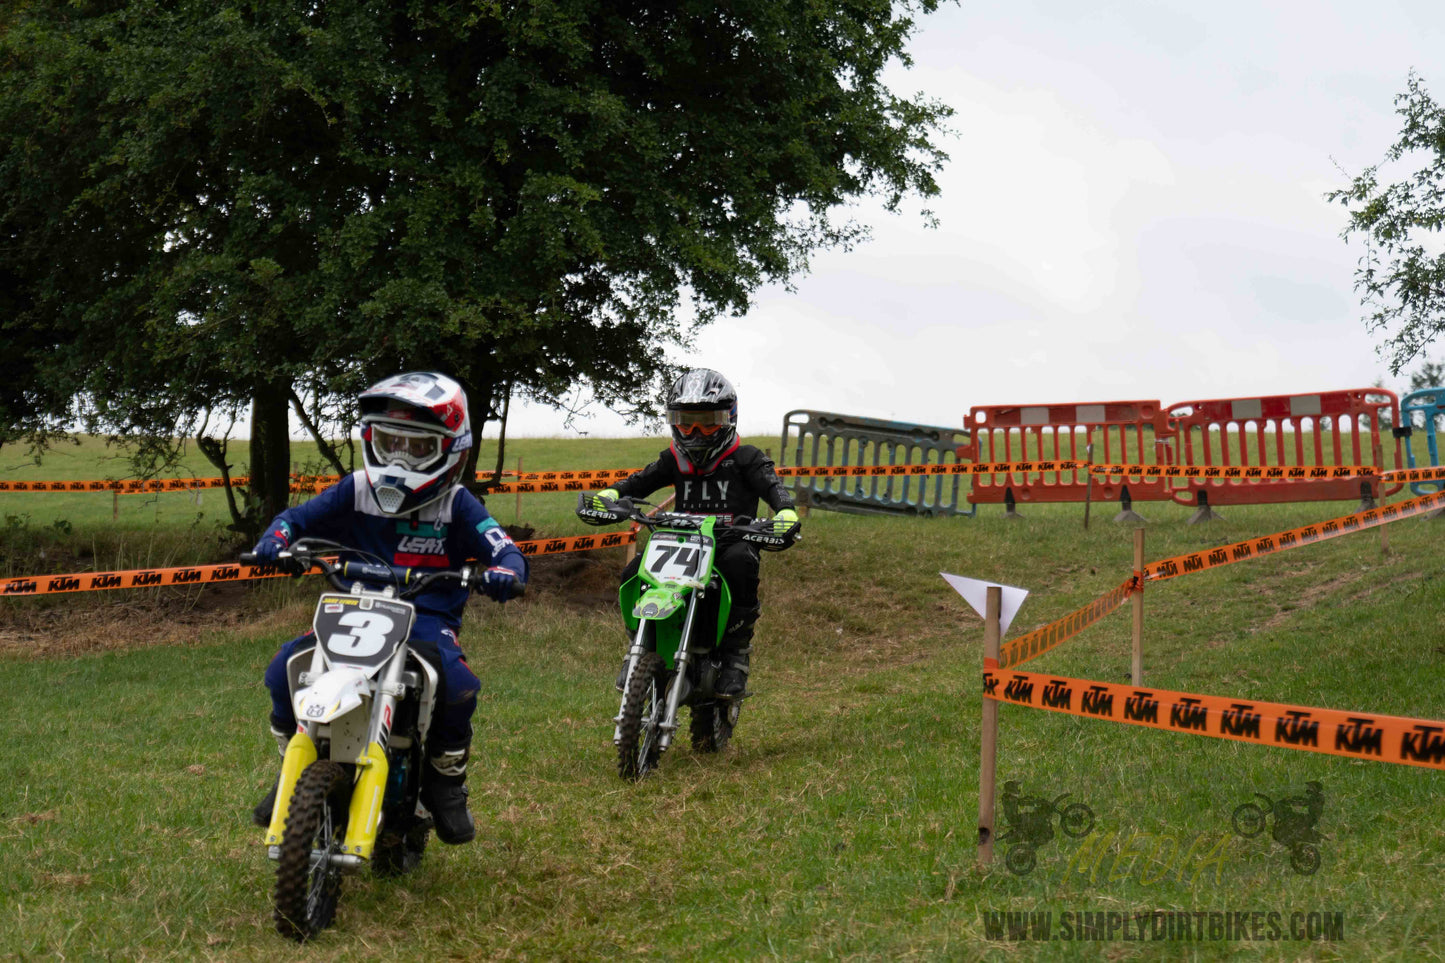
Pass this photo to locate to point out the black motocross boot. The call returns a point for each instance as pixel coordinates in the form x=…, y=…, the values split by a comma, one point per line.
x=261, y=815
x=734, y=649
x=444, y=794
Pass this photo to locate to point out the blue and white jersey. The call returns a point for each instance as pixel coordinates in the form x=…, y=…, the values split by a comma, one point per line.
x=448, y=533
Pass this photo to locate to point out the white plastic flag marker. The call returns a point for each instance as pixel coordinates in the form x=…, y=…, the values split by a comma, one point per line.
x=973, y=591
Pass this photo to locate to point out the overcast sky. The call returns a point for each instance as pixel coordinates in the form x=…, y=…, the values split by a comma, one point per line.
x=1133, y=209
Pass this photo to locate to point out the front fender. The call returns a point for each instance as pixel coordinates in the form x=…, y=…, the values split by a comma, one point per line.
x=659, y=602
x=334, y=694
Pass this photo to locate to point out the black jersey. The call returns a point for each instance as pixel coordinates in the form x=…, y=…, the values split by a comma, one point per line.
x=732, y=488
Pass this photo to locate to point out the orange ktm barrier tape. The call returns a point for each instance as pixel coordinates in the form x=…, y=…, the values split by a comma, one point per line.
x=209, y=574
x=1294, y=538
x=576, y=543
x=137, y=578
x=591, y=479
x=550, y=481
x=1242, y=472
x=1358, y=735
x=133, y=486
x=1025, y=647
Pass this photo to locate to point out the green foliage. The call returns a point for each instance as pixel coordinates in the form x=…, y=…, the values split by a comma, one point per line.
x=204, y=207
x=1402, y=272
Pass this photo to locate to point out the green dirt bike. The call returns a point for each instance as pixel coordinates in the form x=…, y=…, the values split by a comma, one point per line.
x=673, y=660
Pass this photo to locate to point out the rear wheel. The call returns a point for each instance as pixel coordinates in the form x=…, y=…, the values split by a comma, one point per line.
x=308, y=883
x=398, y=853
x=712, y=724
x=640, y=726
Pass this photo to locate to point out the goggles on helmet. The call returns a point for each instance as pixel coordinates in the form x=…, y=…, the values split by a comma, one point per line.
x=409, y=449
x=706, y=422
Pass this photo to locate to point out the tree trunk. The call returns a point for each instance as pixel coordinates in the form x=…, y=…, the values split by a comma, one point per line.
x=270, y=453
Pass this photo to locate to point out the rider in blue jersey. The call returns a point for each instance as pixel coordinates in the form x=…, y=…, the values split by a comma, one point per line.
x=407, y=508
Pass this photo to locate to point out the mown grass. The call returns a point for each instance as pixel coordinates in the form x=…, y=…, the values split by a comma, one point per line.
x=842, y=821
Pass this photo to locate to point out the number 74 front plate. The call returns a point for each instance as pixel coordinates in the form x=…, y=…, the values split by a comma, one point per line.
x=679, y=557
x=361, y=630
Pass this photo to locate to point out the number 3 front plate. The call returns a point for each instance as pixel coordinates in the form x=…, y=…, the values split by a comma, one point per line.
x=361, y=630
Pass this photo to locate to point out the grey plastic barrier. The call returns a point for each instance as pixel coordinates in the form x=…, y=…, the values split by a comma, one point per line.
x=825, y=438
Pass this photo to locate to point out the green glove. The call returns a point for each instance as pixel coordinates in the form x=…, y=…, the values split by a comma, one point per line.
x=608, y=493
x=784, y=520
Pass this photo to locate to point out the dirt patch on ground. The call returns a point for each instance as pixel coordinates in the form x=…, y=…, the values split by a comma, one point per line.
x=166, y=616
x=584, y=581
x=1310, y=596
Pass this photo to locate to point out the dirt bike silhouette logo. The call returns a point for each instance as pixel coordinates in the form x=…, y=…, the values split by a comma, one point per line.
x=1031, y=824
x=1294, y=824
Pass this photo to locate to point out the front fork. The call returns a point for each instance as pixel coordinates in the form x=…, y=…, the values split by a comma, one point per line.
x=677, y=691
x=364, y=815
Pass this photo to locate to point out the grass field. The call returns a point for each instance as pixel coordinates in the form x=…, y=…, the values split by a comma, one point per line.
x=841, y=823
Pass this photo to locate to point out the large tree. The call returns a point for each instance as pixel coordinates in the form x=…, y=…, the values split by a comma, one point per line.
x=270, y=203
x=1401, y=275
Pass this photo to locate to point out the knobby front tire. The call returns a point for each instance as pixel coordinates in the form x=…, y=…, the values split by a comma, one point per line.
x=641, y=725
x=308, y=884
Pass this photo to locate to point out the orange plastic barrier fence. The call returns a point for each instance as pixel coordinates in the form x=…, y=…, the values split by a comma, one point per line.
x=1122, y=432
x=1328, y=428
x=1359, y=735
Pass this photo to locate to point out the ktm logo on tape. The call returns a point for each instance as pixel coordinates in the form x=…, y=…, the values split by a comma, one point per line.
x=1412, y=742
x=585, y=479
x=1294, y=538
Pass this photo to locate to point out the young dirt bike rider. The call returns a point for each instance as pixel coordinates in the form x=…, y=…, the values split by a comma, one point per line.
x=408, y=509
x=713, y=474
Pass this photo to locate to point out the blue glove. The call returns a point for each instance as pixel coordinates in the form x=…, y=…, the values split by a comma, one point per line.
x=273, y=542
x=500, y=582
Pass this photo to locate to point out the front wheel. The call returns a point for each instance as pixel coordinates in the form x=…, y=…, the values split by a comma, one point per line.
x=712, y=724
x=640, y=725
x=1076, y=820
x=308, y=885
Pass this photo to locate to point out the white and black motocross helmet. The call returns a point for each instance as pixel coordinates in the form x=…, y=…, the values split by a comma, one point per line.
x=415, y=433
x=702, y=412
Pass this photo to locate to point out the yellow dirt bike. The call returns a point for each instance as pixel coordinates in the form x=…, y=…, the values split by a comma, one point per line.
x=348, y=795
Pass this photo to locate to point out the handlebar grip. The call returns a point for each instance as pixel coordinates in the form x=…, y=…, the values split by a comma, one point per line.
x=249, y=558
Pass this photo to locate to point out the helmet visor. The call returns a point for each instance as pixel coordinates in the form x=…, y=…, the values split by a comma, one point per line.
x=707, y=422
x=409, y=449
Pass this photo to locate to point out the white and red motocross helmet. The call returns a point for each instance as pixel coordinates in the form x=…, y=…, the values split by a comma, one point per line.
x=415, y=433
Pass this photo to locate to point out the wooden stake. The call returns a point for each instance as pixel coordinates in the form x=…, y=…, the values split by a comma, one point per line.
x=988, y=731
x=115, y=505
x=1088, y=483
x=517, y=516
x=1384, y=529
x=1136, y=671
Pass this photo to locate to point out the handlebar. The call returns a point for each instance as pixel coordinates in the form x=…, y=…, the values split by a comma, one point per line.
x=309, y=553
x=758, y=531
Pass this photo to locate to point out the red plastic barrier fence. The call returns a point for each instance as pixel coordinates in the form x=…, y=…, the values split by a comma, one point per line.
x=1135, y=432
x=1328, y=428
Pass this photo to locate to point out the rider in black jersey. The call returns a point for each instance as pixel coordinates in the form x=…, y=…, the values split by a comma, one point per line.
x=712, y=473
